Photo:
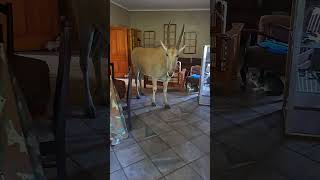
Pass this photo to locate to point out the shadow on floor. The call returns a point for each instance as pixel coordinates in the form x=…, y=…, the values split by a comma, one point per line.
x=250, y=144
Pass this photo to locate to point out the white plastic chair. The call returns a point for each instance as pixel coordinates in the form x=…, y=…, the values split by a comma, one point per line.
x=314, y=21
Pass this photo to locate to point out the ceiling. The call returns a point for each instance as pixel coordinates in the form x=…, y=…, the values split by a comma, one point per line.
x=162, y=5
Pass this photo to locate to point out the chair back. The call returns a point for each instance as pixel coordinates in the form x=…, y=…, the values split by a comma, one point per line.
x=195, y=70
x=276, y=26
x=221, y=7
x=314, y=21
x=6, y=9
x=178, y=67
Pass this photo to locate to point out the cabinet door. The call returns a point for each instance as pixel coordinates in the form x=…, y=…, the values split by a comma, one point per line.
x=34, y=23
x=119, y=50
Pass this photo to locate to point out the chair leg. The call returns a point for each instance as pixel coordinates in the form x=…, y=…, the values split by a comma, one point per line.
x=243, y=73
x=261, y=76
x=129, y=123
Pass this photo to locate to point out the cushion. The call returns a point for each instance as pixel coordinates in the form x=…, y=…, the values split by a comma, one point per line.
x=196, y=76
x=274, y=47
x=259, y=57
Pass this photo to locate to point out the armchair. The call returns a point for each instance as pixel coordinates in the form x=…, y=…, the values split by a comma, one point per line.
x=177, y=81
x=193, y=80
x=271, y=27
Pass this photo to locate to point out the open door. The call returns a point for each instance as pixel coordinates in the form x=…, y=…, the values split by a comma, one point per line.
x=119, y=50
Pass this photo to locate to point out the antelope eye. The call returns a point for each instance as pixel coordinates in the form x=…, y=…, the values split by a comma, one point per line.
x=166, y=54
x=177, y=56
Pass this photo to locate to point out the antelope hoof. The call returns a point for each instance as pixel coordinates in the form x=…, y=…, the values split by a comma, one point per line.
x=167, y=106
x=91, y=112
x=142, y=94
x=138, y=97
x=153, y=104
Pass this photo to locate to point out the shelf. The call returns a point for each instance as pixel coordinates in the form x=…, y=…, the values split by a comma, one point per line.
x=310, y=45
x=307, y=101
x=303, y=122
x=308, y=81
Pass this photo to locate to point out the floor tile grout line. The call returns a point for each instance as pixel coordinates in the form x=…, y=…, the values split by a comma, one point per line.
x=170, y=147
x=187, y=164
x=149, y=158
x=302, y=154
x=80, y=166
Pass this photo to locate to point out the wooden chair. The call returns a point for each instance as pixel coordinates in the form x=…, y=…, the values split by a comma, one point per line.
x=186, y=63
x=177, y=81
x=31, y=74
x=226, y=59
x=275, y=27
x=35, y=86
x=194, y=82
x=225, y=49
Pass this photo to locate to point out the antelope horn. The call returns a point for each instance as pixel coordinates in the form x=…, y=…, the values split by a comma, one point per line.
x=180, y=38
x=168, y=34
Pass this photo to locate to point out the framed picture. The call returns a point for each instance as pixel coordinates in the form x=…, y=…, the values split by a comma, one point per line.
x=172, y=35
x=190, y=40
x=149, y=38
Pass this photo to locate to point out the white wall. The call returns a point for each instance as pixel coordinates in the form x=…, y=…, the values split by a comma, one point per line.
x=195, y=21
x=118, y=16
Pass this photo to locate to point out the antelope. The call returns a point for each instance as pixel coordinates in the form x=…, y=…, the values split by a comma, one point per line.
x=92, y=31
x=158, y=63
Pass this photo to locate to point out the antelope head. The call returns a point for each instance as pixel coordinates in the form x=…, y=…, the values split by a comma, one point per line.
x=172, y=53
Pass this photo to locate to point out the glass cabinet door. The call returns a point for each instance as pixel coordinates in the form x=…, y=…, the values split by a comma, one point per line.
x=302, y=109
x=204, y=93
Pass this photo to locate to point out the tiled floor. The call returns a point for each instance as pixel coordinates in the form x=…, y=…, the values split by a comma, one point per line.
x=249, y=144
x=143, y=105
x=86, y=147
x=165, y=144
x=247, y=137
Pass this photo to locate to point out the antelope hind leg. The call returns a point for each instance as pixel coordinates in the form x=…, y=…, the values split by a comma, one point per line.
x=140, y=83
x=85, y=44
x=137, y=84
x=165, y=98
x=154, y=90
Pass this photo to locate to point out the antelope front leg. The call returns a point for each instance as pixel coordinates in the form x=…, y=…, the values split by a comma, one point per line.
x=85, y=42
x=165, y=90
x=154, y=90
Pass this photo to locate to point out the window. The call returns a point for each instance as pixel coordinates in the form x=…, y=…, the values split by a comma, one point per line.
x=190, y=40
x=149, y=38
x=172, y=36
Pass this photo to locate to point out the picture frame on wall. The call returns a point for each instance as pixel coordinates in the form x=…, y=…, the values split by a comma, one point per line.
x=190, y=40
x=172, y=36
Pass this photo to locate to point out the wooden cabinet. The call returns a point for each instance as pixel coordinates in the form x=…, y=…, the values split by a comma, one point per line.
x=119, y=50
x=34, y=23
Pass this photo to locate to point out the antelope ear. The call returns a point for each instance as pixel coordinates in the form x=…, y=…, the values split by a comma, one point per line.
x=181, y=49
x=163, y=46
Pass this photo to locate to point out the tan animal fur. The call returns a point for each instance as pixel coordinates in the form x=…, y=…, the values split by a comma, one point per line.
x=158, y=63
